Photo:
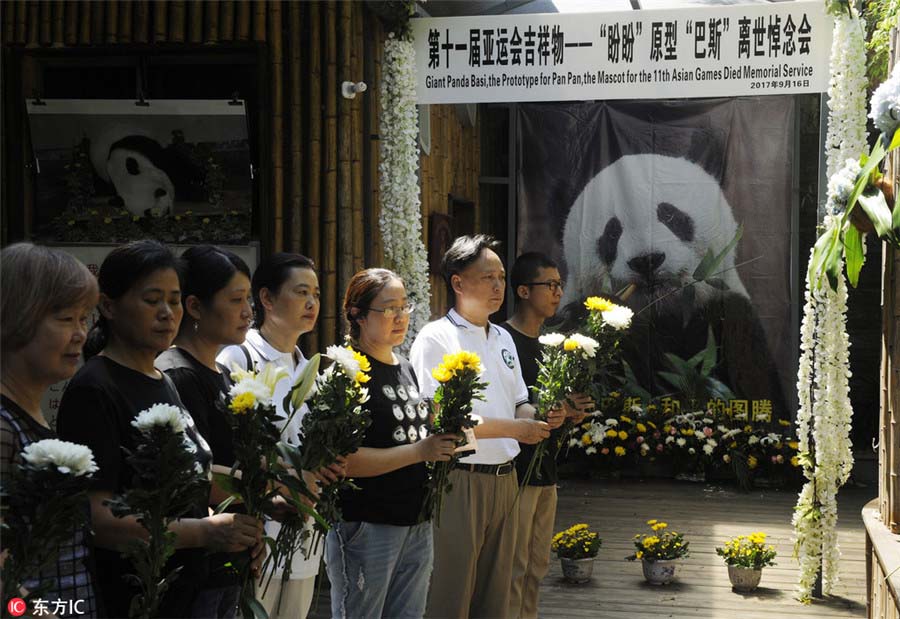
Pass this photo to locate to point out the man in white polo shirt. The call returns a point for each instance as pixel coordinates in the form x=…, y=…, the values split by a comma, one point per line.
x=475, y=544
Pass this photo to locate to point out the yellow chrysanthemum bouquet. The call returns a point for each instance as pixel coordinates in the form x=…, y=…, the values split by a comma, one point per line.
x=576, y=542
x=660, y=545
x=459, y=385
x=748, y=551
x=256, y=439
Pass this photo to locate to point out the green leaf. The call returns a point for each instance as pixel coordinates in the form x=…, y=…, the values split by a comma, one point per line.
x=705, y=267
x=853, y=253
x=709, y=353
x=710, y=262
x=873, y=203
x=225, y=482
x=895, y=141
x=862, y=181
x=259, y=612
x=820, y=253
x=221, y=507
x=632, y=385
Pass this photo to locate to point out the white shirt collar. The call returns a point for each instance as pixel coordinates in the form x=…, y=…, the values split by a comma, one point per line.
x=457, y=320
x=266, y=350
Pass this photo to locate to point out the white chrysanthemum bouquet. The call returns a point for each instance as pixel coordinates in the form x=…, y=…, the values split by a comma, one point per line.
x=257, y=428
x=334, y=427
x=43, y=501
x=566, y=367
x=167, y=483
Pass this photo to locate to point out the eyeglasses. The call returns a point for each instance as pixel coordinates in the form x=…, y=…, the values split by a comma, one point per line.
x=553, y=284
x=393, y=312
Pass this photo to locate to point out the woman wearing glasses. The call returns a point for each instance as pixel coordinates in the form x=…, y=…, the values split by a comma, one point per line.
x=379, y=557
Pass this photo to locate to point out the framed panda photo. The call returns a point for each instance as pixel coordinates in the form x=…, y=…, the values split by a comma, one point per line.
x=635, y=194
x=115, y=170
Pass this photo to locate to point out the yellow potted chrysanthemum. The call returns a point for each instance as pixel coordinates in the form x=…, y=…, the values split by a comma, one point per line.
x=745, y=556
x=659, y=552
x=576, y=548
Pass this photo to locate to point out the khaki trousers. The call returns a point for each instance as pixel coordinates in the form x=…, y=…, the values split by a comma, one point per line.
x=537, y=513
x=295, y=598
x=474, y=547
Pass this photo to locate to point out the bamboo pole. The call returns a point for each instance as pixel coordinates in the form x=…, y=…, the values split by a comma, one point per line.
x=329, y=220
x=211, y=22
x=345, y=222
x=195, y=22
x=126, y=11
x=21, y=21
x=141, y=21
x=84, y=22
x=226, y=20
x=313, y=231
x=259, y=20
x=33, y=24
x=160, y=11
x=375, y=52
x=359, y=244
x=176, y=21
x=112, y=22
x=46, y=23
x=59, y=19
x=276, y=62
x=296, y=124
x=243, y=20
x=9, y=22
x=97, y=22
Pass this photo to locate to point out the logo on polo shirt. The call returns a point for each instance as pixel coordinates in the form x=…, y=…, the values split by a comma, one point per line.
x=508, y=359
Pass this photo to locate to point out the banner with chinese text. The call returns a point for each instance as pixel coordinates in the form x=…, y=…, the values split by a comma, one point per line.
x=763, y=49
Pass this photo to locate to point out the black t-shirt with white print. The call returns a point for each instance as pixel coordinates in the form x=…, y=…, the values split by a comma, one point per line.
x=399, y=417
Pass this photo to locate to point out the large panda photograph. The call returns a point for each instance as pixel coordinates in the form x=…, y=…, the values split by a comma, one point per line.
x=635, y=195
x=176, y=170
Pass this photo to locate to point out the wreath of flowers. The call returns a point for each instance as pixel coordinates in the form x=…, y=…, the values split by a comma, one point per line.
x=401, y=219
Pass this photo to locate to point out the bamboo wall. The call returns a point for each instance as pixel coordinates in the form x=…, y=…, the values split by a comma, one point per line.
x=882, y=552
x=319, y=156
x=452, y=167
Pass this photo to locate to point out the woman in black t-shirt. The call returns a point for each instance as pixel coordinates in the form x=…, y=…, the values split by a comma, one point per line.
x=380, y=536
x=43, y=331
x=140, y=310
x=215, y=296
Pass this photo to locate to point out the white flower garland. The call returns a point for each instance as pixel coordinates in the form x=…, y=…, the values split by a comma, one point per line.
x=401, y=217
x=824, y=414
x=823, y=376
x=846, y=137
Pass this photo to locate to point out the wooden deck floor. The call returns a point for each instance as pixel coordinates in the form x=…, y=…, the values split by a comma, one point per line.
x=706, y=514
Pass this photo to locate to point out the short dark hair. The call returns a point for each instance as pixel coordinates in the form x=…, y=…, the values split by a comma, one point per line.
x=526, y=268
x=121, y=270
x=464, y=251
x=207, y=269
x=271, y=273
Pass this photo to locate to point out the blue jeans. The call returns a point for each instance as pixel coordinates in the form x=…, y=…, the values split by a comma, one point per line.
x=378, y=570
x=219, y=603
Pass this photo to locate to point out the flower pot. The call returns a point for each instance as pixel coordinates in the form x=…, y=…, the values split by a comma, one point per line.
x=577, y=570
x=659, y=572
x=744, y=579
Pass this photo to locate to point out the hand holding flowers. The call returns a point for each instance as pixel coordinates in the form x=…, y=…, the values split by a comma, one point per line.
x=167, y=484
x=43, y=501
x=566, y=367
x=460, y=384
